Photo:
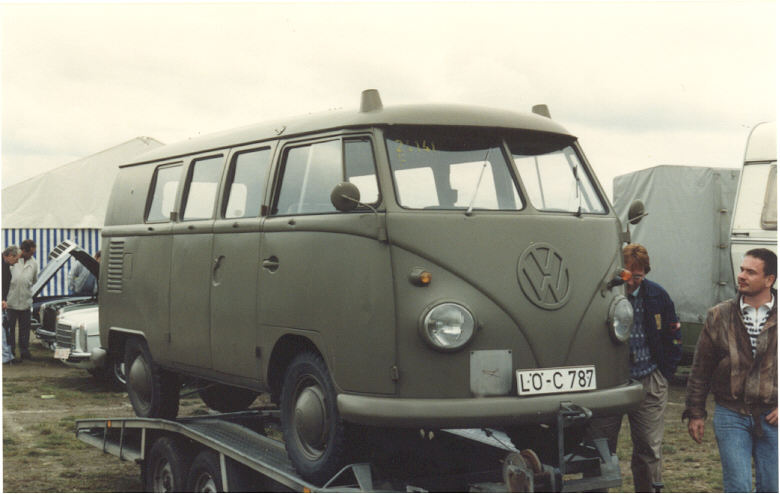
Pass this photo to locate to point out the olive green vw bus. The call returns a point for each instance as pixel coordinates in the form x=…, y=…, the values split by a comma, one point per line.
x=422, y=266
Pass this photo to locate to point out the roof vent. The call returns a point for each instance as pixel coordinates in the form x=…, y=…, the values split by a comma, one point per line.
x=541, y=110
x=370, y=101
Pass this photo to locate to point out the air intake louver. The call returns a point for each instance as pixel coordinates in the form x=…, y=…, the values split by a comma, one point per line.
x=115, y=271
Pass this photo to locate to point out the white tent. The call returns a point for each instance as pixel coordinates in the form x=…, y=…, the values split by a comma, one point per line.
x=71, y=196
x=68, y=202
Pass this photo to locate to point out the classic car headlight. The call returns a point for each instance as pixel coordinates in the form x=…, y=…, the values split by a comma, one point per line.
x=447, y=326
x=82, y=337
x=621, y=319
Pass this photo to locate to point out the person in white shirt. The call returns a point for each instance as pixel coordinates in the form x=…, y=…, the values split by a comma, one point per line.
x=24, y=274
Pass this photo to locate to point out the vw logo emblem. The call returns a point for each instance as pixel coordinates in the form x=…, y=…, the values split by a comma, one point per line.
x=544, y=276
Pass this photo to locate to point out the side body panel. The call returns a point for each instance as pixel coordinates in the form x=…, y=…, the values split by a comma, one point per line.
x=135, y=272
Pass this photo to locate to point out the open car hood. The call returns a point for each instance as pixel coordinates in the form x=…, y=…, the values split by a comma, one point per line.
x=58, y=257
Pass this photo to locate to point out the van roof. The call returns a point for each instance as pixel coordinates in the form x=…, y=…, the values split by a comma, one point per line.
x=429, y=114
x=762, y=143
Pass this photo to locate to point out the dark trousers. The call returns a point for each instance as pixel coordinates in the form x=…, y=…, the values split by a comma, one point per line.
x=25, y=322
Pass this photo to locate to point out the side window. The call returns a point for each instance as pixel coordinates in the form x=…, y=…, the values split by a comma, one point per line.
x=769, y=211
x=201, y=191
x=246, y=183
x=360, y=169
x=166, y=183
x=310, y=172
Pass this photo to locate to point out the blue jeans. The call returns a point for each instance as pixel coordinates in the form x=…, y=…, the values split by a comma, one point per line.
x=737, y=446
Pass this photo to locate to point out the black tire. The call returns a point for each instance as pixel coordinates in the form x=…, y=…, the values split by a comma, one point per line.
x=153, y=392
x=166, y=466
x=226, y=399
x=314, y=434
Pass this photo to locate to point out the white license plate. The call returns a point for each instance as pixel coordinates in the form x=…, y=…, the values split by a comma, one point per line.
x=556, y=380
x=62, y=353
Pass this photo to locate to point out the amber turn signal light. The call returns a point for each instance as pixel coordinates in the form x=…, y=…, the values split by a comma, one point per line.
x=420, y=277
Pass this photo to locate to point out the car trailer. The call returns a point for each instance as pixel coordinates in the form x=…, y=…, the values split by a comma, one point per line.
x=233, y=452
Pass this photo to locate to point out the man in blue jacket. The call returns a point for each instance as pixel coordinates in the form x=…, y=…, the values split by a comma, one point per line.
x=656, y=349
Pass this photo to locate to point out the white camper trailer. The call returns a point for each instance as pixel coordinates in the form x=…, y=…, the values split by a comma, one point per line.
x=754, y=223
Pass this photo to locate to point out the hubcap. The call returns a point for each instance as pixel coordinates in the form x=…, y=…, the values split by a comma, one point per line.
x=163, y=477
x=205, y=483
x=119, y=372
x=140, y=380
x=311, y=420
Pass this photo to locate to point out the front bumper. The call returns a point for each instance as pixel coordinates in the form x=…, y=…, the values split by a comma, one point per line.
x=79, y=360
x=483, y=412
x=45, y=336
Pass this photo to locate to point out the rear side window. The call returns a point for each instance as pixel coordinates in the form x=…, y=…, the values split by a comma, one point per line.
x=246, y=183
x=201, y=191
x=166, y=183
x=310, y=172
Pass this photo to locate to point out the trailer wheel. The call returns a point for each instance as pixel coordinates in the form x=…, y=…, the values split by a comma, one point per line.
x=166, y=466
x=205, y=474
x=153, y=392
x=226, y=399
x=314, y=434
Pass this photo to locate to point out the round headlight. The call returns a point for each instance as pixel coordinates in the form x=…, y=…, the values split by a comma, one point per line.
x=621, y=319
x=448, y=326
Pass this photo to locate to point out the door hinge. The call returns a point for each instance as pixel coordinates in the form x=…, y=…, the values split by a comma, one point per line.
x=258, y=352
x=395, y=374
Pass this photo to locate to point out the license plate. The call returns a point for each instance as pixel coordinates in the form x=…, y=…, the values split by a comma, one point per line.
x=556, y=380
x=62, y=353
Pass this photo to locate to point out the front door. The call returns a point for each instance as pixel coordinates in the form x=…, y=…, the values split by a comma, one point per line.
x=326, y=275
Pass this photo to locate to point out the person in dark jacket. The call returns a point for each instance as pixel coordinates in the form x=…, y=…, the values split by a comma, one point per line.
x=736, y=361
x=10, y=256
x=656, y=349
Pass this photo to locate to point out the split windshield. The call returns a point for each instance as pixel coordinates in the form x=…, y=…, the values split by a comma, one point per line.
x=467, y=168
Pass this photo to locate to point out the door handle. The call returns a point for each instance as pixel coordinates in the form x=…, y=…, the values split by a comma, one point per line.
x=217, y=263
x=271, y=264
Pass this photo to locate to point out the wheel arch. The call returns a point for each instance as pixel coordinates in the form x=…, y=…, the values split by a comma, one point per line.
x=118, y=338
x=285, y=350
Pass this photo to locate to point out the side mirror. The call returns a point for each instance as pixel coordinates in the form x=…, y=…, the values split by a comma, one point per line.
x=345, y=197
x=636, y=212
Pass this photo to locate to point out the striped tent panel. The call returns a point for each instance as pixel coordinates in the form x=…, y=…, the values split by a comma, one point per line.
x=48, y=238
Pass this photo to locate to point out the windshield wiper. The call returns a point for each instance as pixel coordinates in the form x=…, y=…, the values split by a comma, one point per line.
x=479, y=181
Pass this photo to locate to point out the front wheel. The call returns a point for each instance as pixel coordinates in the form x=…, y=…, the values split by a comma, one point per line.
x=153, y=392
x=314, y=433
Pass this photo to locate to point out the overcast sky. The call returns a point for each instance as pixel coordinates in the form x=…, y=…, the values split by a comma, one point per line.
x=640, y=83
